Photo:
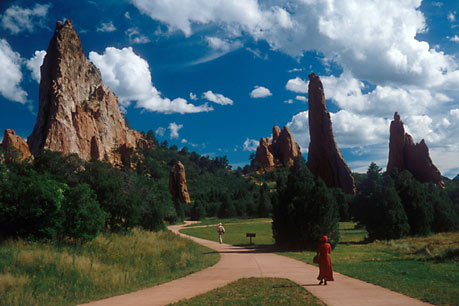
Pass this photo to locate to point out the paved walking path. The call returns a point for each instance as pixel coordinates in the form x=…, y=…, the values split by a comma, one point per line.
x=238, y=262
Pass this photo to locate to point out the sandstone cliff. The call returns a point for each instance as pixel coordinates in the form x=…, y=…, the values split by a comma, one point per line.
x=324, y=157
x=280, y=152
x=177, y=183
x=77, y=112
x=404, y=154
x=11, y=141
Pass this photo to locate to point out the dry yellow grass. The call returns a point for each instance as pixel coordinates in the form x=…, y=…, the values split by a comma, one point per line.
x=430, y=246
x=9, y=281
x=37, y=273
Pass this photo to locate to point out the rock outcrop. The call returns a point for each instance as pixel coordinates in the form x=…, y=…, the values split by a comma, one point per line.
x=280, y=152
x=11, y=141
x=404, y=154
x=177, y=183
x=77, y=112
x=263, y=155
x=324, y=157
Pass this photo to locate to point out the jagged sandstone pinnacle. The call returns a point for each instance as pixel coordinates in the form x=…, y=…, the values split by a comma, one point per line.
x=77, y=112
x=11, y=141
x=324, y=157
x=404, y=154
x=280, y=152
x=177, y=183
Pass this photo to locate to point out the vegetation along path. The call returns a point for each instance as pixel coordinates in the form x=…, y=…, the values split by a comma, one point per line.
x=238, y=262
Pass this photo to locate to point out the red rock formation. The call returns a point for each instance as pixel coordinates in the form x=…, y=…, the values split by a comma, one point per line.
x=177, y=183
x=404, y=154
x=263, y=156
x=324, y=157
x=280, y=152
x=11, y=141
x=284, y=146
x=77, y=112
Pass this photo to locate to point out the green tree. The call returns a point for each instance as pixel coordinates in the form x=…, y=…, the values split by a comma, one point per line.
x=30, y=204
x=227, y=209
x=413, y=195
x=82, y=216
x=198, y=211
x=305, y=210
x=264, y=202
x=387, y=218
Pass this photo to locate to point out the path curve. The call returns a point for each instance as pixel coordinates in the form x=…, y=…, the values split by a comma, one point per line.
x=238, y=262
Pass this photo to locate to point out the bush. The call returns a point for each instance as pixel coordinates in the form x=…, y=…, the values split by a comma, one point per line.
x=30, y=205
x=83, y=217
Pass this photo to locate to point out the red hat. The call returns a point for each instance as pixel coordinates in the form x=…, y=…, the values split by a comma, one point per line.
x=324, y=239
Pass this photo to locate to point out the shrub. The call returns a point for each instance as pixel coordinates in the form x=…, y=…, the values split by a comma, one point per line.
x=82, y=216
x=30, y=205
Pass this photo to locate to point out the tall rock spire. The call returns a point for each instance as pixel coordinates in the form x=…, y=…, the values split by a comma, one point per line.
x=324, y=158
x=404, y=154
x=77, y=112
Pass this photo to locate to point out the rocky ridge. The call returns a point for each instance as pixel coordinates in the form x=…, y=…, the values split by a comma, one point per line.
x=404, y=154
x=324, y=157
x=77, y=112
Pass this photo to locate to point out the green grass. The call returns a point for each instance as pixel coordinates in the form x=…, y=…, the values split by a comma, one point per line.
x=213, y=221
x=425, y=268
x=255, y=291
x=33, y=273
x=235, y=233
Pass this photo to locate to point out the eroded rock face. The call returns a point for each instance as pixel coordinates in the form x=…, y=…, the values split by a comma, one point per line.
x=11, y=141
x=324, y=157
x=77, y=112
x=280, y=152
x=177, y=183
x=404, y=154
x=263, y=156
x=284, y=146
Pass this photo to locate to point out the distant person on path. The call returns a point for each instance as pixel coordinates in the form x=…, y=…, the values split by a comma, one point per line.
x=325, y=266
x=220, y=231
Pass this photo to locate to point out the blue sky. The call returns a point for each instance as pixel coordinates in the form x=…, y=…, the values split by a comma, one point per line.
x=216, y=75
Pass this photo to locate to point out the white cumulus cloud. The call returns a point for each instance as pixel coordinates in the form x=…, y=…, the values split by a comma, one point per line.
x=17, y=19
x=234, y=15
x=128, y=75
x=11, y=75
x=173, y=129
x=217, y=98
x=250, y=145
x=34, y=64
x=297, y=85
x=260, y=92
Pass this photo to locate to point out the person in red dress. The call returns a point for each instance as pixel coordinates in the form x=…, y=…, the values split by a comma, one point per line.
x=325, y=266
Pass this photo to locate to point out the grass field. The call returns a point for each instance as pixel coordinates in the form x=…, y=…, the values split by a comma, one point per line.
x=235, y=231
x=422, y=267
x=33, y=273
x=255, y=291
